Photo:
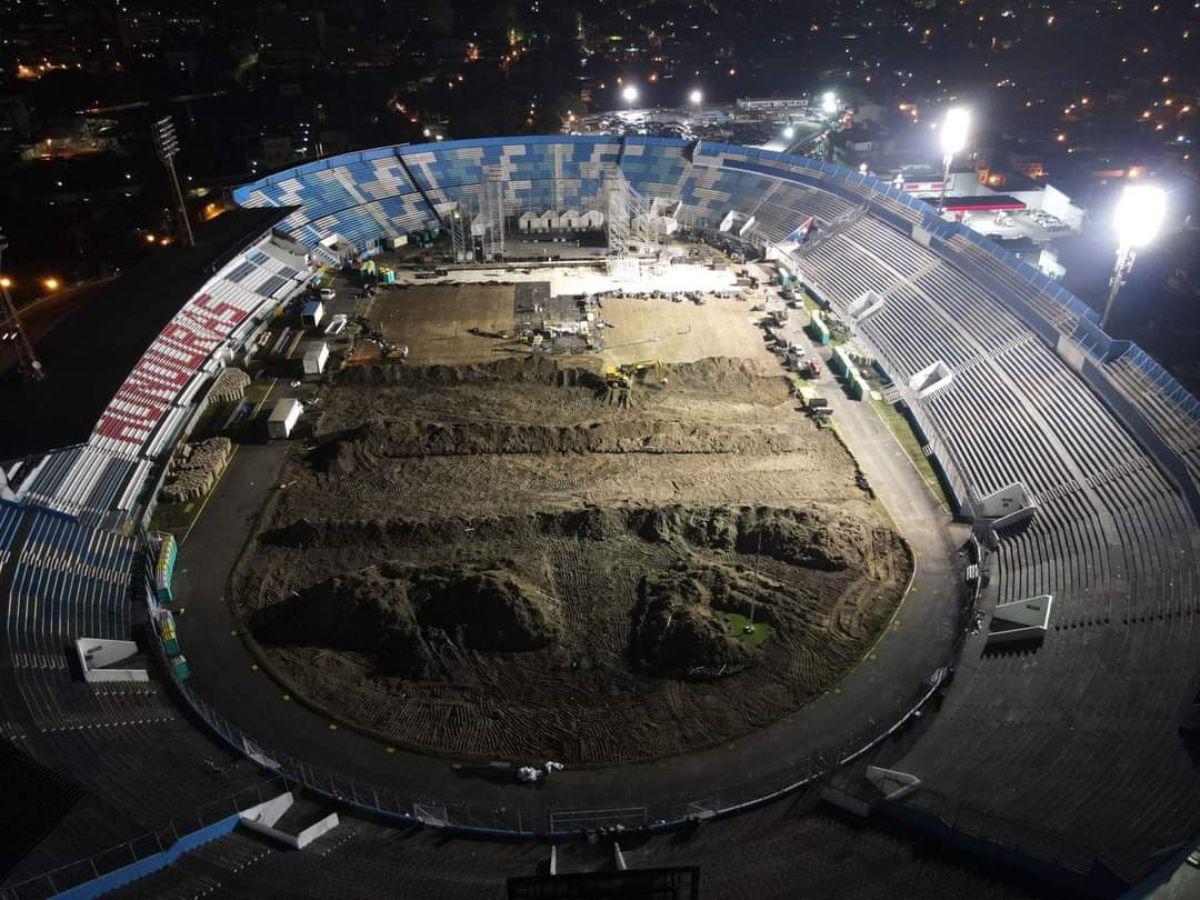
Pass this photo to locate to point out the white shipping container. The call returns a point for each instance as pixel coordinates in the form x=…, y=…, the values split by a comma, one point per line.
x=283, y=418
x=312, y=314
x=315, y=358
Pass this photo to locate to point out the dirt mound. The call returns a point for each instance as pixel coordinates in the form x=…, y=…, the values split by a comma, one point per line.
x=678, y=629
x=407, y=617
x=523, y=571
x=724, y=375
x=811, y=538
x=816, y=538
x=535, y=368
x=398, y=439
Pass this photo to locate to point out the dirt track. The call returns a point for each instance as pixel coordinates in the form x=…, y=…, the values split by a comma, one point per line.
x=613, y=552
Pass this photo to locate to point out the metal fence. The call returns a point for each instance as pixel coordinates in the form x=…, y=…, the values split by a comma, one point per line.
x=142, y=847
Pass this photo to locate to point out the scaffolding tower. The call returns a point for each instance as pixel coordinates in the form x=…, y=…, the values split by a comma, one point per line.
x=462, y=241
x=489, y=224
x=634, y=223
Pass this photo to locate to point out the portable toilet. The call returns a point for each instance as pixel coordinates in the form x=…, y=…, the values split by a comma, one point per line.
x=283, y=418
x=816, y=330
x=315, y=358
x=312, y=313
x=168, y=632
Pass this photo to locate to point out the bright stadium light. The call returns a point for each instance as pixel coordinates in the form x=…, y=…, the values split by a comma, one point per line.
x=789, y=132
x=829, y=103
x=696, y=97
x=629, y=93
x=1139, y=217
x=954, y=131
x=954, y=140
x=167, y=144
x=1140, y=213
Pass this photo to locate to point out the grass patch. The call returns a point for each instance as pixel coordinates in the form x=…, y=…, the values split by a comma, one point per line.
x=176, y=518
x=898, y=425
x=212, y=420
x=736, y=622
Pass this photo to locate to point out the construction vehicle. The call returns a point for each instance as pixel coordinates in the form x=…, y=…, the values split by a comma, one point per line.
x=373, y=332
x=625, y=374
x=811, y=368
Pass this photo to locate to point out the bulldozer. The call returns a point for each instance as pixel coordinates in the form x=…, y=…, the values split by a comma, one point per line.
x=624, y=375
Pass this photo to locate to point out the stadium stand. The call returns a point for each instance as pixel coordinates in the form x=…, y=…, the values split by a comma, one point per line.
x=103, y=478
x=1065, y=759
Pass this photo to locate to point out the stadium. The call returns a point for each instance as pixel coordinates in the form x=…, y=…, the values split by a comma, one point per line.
x=1011, y=714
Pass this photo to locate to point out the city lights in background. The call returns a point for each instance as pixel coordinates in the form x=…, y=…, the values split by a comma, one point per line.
x=50, y=284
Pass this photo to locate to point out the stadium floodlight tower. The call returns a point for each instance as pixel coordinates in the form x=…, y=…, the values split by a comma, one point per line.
x=696, y=97
x=1140, y=214
x=954, y=140
x=630, y=94
x=27, y=362
x=829, y=103
x=167, y=145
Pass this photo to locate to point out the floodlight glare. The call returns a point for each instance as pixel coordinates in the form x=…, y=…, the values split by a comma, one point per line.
x=789, y=132
x=829, y=103
x=696, y=96
x=629, y=94
x=1140, y=213
x=954, y=131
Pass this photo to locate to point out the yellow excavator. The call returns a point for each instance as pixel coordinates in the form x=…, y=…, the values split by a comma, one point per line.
x=623, y=376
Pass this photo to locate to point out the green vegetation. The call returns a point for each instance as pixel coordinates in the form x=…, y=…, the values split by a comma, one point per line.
x=212, y=420
x=736, y=624
x=899, y=427
x=176, y=518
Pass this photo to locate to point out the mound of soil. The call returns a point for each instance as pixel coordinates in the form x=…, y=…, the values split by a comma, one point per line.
x=535, y=368
x=403, y=614
x=677, y=630
x=520, y=571
x=815, y=538
x=374, y=441
x=800, y=537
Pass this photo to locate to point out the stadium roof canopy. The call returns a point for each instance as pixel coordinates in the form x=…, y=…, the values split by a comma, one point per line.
x=983, y=203
x=88, y=355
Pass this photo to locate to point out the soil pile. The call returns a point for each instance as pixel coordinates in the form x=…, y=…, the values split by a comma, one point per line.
x=678, y=630
x=405, y=616
x=533, y=369
x=489, y=561
x=408, y=438
x=800, y=537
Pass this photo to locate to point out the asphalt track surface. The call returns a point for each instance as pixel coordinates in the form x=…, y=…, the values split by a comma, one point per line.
x=880, y=690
